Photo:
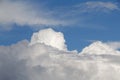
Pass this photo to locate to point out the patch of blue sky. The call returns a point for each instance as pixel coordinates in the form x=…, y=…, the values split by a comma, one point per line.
x=93, y=25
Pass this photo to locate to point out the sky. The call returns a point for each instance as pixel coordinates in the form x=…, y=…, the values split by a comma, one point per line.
x=81, y=21
x=59, y=40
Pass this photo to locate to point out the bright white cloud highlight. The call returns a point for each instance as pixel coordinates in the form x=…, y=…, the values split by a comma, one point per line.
x=39, y=61
x=23, y=13
x=49, y=37
x=98, y=48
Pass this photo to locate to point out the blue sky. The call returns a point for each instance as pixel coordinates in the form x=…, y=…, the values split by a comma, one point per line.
x=81, y=21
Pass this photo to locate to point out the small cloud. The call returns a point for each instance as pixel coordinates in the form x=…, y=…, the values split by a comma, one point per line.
x=98, y=48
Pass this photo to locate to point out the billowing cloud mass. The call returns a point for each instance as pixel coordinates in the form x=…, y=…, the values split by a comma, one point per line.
x=46, y=60
x=50, y=38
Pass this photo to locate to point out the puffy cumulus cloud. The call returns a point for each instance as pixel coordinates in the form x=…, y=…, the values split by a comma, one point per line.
x=50, y=38
x=98, y=48
x=24, y=13
x=40, y=61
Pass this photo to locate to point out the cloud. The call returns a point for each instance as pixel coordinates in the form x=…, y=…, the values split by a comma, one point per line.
x=114, y=45
x=98, y=48
x=50, y=38
x=97, y=6
x=22, y=61
x=25, y=13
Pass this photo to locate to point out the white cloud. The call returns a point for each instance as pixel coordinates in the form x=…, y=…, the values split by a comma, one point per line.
x=24, y=13
x=97, y=6
x=98, y=48
x=50, y=38
x=114, y=45
x=39, y=61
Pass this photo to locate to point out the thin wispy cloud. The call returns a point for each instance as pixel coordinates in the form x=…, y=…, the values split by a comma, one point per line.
x=97, y=6
x=85, y=12
x=23, y=13
x=89, y=7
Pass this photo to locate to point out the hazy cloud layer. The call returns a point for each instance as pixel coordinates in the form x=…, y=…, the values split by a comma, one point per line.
x=41, y=61
x=24, y=13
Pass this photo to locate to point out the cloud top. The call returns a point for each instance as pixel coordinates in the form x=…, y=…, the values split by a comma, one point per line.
x=99, y=48
x=49, y=37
